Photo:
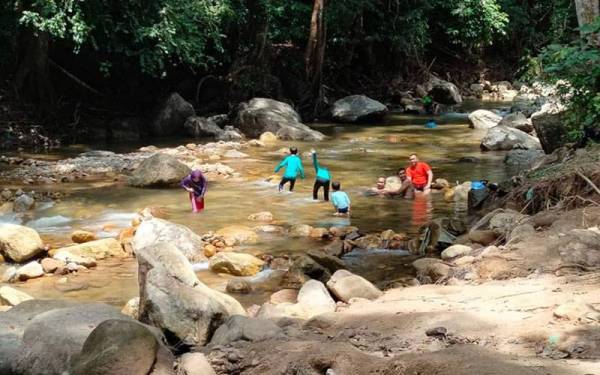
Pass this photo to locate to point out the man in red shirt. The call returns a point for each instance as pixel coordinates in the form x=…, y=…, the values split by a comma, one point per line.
x=419, y=174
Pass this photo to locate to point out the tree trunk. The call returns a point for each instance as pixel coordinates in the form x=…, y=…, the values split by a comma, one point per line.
x=315, y=53
x=587, y=12
x=31, y=78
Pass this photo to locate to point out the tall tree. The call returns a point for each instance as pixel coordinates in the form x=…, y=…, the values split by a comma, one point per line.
x=315, y=53
x=587, y=12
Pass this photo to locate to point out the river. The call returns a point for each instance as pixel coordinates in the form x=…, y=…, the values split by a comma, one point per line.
x=355, y=155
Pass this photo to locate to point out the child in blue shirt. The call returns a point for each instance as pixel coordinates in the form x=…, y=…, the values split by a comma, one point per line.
x=293, y=167
x=340, y=200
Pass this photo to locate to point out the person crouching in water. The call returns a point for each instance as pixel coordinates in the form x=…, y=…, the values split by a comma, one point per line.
x=195, y=183
x=340, y=200
x=322, y=179
x=293, y=166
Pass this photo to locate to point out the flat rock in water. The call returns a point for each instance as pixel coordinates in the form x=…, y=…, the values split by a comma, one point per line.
x=237, y=264
x=237, y=235
x=99, y=249
x=12, y=297
x=30, y=271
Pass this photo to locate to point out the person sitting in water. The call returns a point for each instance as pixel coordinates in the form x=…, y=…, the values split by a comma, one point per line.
x=419, y=174
x=340, y=200
x=379, y=188
x=405, y=190
x=195, y=183
x=293, y=167
x=322, y=179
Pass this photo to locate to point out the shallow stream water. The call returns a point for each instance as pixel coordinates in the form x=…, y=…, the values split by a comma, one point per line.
x=355, y=155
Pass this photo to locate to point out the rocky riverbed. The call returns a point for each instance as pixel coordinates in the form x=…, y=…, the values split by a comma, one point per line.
x=267, y=283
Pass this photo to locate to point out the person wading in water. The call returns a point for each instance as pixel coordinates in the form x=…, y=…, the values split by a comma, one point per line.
x=195, y=183
x=293, y=167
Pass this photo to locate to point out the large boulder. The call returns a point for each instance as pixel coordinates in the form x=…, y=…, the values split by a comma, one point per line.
x=237, y=264
x=357, y=109
x=550, y=127
x=117, y=346
x=173, y=299
x=483, y=119
x=99, y=249
x=517, y=120
x=171, y=116
x=345, y=285
x=505, y=138
x=54, y=337
x=13, y=324
x=154, y=230
x=202, y=127
x=261, y=115
x=159, y=170
x=19, y=243
x=523, y=158
x=237, y=235
x=580, y=246
x=444, y=92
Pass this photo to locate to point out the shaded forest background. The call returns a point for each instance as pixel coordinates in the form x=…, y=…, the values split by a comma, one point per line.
x=67, y=60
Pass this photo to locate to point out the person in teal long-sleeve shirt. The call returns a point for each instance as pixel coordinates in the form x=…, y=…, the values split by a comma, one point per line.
x=340, y=200
x=293, y=166
x=322, y=179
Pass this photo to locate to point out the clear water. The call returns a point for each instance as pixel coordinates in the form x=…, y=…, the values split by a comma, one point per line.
x=355, y=155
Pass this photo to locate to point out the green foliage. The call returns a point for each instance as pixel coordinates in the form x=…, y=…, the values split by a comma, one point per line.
x=158, y=33
x=575, y=67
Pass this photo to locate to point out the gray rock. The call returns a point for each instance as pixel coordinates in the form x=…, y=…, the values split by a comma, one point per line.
x=444, y=92
x=505, y=138
x=357, y=109
x=174, y=300
x=23, y=203
x=550, y=128
x=346, y=285
x=53, y=337
x=159, y=170
x=13, y=323
x=230, y=133
x=19, y=243
x=483, y=119
x=153, y=231
x=517, y=120
x=580, y=246
x=244, y=328
x=202, y=127
x=171, y=116
x=117, y=346
x=523, y=158
x=261, y=115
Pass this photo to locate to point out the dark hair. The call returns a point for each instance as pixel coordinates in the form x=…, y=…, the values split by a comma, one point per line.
x=401, y=170
x=293, y=150
x=335, y=185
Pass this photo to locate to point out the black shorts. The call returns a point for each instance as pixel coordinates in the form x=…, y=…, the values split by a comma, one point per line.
x=342, y=210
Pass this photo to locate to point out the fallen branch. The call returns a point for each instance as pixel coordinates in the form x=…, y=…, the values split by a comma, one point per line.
x=75, y=79
x=586, y=179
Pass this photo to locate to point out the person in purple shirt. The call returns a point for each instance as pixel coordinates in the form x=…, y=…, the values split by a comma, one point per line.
x=195, y=183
